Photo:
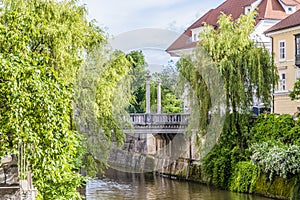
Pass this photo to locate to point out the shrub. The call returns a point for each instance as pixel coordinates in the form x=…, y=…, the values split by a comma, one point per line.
x=277, y=159
x=244, y=177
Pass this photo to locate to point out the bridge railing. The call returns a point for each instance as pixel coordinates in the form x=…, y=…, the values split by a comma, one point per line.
x=141, y=118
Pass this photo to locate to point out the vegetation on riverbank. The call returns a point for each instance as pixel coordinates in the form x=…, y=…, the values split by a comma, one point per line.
x=50, y=75
x=245, y=151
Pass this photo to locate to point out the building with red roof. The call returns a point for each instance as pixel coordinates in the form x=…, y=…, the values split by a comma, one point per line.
x=270, y=12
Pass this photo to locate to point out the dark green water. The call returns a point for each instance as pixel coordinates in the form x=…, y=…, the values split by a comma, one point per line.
x=118, y=185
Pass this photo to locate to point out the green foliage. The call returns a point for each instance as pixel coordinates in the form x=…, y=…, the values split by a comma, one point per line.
x=292, y=136
x=102, y=94
x=295, y=94
x=138, y=87
x=194, y=76
x=244, y=67
x=273, y=127
x=277, y=159
x=244, y=177
x=168, y=77
x=57, y=30
x=111, y=97
x=219, y=163
x=171, y=104
x=274, y=142
x=231, y=148
x=42, y=47
x=217, y=166
x=36, y=118
x=244, y=71
x=138, y=71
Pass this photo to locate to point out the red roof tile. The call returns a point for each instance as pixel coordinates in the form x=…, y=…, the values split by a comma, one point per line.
x=271, y=9
x=290, y=2
x=291, y=21
x=266, y=9
x=183, y=42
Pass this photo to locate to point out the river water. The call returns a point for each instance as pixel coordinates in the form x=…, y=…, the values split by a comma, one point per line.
x=122, y=186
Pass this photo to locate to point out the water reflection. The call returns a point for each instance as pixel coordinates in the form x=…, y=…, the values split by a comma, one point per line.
x=119, y=185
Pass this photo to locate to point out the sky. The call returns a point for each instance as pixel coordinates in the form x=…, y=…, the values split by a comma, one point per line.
x=117, y=16
x=121, y=19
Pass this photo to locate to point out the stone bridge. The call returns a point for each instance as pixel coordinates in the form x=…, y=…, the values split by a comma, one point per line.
x=152, y=133
x=158, y=123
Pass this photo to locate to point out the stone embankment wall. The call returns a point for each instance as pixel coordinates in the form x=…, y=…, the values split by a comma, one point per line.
x=9, y=183
x=173, y=161
x=11, y=188
x=277, y=188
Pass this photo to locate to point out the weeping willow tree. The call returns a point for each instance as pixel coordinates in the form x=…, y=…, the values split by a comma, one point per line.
x=102, y=95
x=244, y=71
x=247, y=70
x=43, y=43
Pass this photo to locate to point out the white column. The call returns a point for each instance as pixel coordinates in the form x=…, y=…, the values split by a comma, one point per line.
x=158, y=96
x=148, y=76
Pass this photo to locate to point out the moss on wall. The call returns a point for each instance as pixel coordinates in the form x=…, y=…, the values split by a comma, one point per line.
x=278, y=187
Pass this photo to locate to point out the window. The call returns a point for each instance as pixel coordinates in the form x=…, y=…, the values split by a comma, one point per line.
x=247, y=10
x=282, y=50
x=195, y=37
x=282, y=82
x=297, y=50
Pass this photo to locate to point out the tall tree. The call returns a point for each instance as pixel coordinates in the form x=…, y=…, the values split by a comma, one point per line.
x=226, y=56
x=138, y=73
x=102, y=94
x=43, y=43
x=246, y=70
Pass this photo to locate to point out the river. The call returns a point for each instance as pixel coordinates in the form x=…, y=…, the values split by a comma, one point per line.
x=122, y=186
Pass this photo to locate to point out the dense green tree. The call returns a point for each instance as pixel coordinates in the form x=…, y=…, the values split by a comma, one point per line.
x=247, y=70
x=102, y=94
x=171, y=104
x=244, y=72
x=138, y=68
x=43, y=43
x=138, y=72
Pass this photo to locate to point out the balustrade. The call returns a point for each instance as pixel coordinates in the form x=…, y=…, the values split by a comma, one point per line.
x=159, y=118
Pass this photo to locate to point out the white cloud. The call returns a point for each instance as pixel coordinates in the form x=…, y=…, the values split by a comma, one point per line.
x=125, y=16
x=121, y=16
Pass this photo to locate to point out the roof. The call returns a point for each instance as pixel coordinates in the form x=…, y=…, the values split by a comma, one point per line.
x=270, y=9
x=290, y=2
x=184, y=40
x=289, y=22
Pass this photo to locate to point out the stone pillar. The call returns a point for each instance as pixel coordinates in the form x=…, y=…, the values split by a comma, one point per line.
x=148, y=76
x=158, y=96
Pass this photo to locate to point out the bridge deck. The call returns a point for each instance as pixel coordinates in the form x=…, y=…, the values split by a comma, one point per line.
x=158, y=123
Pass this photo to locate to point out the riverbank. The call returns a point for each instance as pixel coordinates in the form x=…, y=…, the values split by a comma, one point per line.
x=277, y=188
x=190, y=170
x=120, y=185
